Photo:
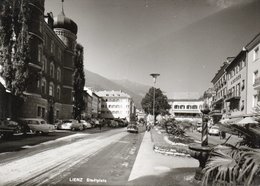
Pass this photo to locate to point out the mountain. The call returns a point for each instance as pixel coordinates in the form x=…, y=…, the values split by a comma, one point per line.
x=98, y=82
x=138, y=88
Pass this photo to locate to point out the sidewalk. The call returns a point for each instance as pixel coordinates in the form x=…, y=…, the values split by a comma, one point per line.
x=151, y=168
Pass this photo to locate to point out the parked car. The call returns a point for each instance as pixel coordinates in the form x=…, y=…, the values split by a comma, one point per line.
x=86, y=124
x=71, y=124
x=214, y=130
x=8, y=128
x=132, y=128
x=37, y=125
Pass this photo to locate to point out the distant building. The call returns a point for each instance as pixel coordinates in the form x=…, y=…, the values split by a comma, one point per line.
x=116, y=104
x=95, y=105
x=186, y=109
x=140, y=114
x=87, y=113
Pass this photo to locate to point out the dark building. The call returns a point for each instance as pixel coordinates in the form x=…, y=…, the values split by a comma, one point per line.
x=52, y=53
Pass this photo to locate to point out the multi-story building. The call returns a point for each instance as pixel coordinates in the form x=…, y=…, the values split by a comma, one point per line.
x=52, y=45
x=243, y=83
x=219, y=82
x=186, y=109
x=253, y=74
x=88, y=99
x=236, y=83
x=95, y=105
x=116, y=104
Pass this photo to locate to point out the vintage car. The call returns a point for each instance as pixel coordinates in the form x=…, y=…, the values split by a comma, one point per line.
x=132, y=128
x=214, y=130
x=37, y=125
x=86, y=124
x=71, y=124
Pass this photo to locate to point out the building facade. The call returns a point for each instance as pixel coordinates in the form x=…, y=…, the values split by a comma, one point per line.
x=236, y=84
x=243, y=83
x=88, y=99
x=116, y=104
x=253, y=75
x=186, y=109
x=52, y=46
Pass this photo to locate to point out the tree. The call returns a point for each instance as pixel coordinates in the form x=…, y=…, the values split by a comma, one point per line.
x=14, y=44
x=79, y=82
x=161, y=102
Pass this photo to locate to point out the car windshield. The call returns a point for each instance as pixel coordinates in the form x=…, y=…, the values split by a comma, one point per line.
x=67, y=121
x=215, y=127
x=43, y=122
x=34, y=122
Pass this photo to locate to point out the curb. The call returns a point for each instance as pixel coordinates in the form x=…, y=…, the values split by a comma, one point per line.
x=169, y=152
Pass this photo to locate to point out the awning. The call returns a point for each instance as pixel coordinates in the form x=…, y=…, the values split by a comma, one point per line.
x=247, y=120
x=230, y=121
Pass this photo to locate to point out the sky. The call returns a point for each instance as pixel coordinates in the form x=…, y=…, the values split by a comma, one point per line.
x=185, y=41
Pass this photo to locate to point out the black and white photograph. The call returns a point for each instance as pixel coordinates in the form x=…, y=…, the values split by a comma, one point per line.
x=129, y=92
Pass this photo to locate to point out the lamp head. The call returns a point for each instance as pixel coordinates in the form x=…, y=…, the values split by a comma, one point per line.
x=205, y=108
x=154, y=75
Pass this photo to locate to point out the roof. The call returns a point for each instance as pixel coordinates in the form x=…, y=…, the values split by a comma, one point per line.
x=253, y=42
x=236, y=60
x=61, y=21
x=112, y=93
x=220, y=72
x=190, y=100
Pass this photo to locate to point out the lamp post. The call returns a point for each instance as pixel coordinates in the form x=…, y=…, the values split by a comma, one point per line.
x=154, y=75
x=201, y=151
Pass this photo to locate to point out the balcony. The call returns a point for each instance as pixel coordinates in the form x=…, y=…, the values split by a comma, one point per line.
x=232, y=97
x=256, y=85
x=218, y=101
x=216, y=113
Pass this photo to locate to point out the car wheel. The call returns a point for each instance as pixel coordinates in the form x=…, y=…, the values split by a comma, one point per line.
x=73, y=129
x=81, y=128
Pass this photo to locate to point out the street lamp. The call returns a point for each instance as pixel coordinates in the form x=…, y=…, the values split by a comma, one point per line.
x=154, y=75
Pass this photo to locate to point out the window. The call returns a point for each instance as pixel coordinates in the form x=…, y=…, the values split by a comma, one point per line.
x=256, y=53
x=182, y=107
x=242, y=105
x=43, y=64
x=44, y=40
x=58, y=74
x=243, y=85
x=176, y=106
x=59, y=54
x=238, y=89
x=51, y=88
x=254, y=101
x=194, y=107
x=40, y=53
x=44, y=86
x=40, y=25
x=52, y=47
x=40, y=111
x=52, y=70
x=57, y=113
x=255, y=75
x=58, y=92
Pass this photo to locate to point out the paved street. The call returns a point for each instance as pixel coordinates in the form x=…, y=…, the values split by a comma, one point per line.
x=110, y=157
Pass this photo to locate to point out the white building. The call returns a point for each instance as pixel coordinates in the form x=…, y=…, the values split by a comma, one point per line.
x=253, y=74
x=186, y=109
x=116, y=104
